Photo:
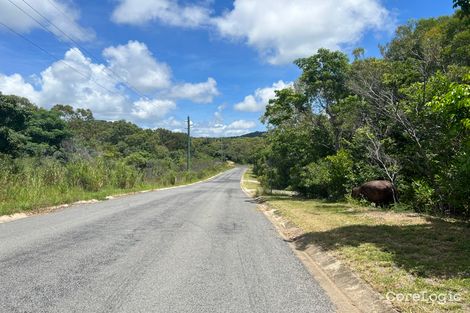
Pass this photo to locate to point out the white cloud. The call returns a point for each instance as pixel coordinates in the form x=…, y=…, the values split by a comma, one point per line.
x=217, y=128
x=258, y=101
x=16, y=85
x=73, y=80
x=145, y=109
x=283, y=30
x=170, y=122
x=241, y=125
x=170, y=12
x=222, y=130
x=218, y=118
x=199, y=92
x=77, y=81
x=59, y=12
x=136, y=65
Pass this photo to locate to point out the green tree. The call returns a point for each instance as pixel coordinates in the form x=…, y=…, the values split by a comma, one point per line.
x=464, y=5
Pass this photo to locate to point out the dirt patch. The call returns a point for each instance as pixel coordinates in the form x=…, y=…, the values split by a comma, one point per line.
x=13, y=217
x=397, y=218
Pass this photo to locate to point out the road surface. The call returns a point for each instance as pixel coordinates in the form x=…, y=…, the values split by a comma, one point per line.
x=199, y=248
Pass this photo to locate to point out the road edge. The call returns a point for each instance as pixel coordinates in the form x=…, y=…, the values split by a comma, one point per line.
x=347, y=291
x=46, y=210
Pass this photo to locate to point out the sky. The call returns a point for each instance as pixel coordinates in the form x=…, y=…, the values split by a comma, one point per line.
x=155, y=62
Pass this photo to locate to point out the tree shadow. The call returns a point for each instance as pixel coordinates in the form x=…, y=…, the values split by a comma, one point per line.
x=437, y=249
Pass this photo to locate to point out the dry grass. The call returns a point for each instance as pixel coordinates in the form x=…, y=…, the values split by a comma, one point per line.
x=34, y=189
x=394, y=252
x=250, y=182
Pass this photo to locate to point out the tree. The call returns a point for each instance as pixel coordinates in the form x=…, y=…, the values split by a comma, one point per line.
x=287, y=107
x=404, y=117
x=464, y=5
x=67, y=113
x=323, y=82
x=26, y=129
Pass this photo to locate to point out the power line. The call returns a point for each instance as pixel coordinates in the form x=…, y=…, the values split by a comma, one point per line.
x=91, y=55
x=58, y=10
x=52, y=24
x=55, y=58
x=85, y=51
x=119, y=78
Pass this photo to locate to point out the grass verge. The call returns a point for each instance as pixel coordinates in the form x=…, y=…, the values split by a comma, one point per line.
x=28, y=197
x=250, y=183
x=396, y=253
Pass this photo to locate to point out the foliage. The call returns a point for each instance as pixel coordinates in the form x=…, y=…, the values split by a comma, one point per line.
x=26, y=129
x=328, y=177
x=50, y=157
x=404, y=117
x=454, y=104
x=464, y=5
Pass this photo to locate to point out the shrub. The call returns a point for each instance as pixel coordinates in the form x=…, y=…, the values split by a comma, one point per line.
x=329, y=177
x=424, y=196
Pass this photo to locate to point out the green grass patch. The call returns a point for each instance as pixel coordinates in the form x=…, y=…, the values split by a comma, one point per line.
x=394, y=252
x=31, y=185
x=250, y=182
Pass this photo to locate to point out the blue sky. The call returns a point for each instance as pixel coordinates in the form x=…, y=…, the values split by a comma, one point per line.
x=154, y=62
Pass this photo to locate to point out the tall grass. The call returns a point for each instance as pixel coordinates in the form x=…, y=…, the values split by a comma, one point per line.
x=31, y=183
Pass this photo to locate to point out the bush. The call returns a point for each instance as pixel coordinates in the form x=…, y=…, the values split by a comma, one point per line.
x=87, y=175
x=329, y=177
x=424, y=196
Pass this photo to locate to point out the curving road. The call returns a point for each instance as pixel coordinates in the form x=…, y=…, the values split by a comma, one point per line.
x=199, y=248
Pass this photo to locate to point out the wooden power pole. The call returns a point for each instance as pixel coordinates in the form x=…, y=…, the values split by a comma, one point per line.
x=188, y=153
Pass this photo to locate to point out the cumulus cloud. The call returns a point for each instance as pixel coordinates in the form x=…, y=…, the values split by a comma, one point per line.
x=217, y=127
x=171, y=123
x=145, y=109
x=258, y=101
x=16, y=85
x=235, y=128
x=72, y=80
x=135, y=64
x=59, y=12
x=218, y=118
x=241, y=125
x=170, y=12
x=77, y=81
x=199, y=92
x=283, y=30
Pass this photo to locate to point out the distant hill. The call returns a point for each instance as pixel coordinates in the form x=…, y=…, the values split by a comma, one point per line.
x=253, y=134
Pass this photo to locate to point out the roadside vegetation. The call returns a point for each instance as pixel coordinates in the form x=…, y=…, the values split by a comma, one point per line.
x=250, y=182
x=402, y=253
x=62, y=155
x=404, y=117
x=398, y=252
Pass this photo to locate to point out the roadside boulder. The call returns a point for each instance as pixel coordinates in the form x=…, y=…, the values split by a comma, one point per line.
x=380, y=192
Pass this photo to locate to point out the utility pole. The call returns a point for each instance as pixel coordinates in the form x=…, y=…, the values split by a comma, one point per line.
x=188, y=156
x=222, y=148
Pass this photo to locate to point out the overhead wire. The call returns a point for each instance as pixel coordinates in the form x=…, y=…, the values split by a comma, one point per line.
x=117, y=78
x=57, y=59
x=85, y=51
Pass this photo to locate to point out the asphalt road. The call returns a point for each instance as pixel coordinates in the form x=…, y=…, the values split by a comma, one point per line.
x=199, y=248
